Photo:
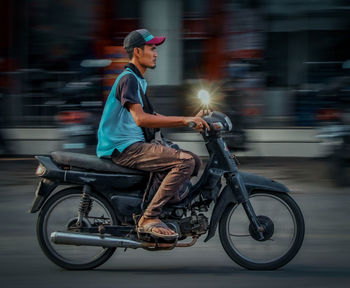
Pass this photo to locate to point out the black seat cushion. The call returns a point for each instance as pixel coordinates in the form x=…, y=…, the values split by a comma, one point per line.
x=91, y=162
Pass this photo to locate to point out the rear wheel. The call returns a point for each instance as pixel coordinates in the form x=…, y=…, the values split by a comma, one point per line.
x=283, y=225
x=60, y=213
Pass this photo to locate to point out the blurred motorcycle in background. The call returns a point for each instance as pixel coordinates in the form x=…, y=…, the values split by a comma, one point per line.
x=334, y=121
x=80, y=112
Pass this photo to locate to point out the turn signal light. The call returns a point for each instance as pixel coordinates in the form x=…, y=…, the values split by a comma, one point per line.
x=40, y=170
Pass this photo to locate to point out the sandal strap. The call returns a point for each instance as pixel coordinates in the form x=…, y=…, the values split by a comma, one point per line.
x=150, y=226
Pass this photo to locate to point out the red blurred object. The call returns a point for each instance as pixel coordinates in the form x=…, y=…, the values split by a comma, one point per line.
x=72, y=117
x=328, y=115
x=253, y=111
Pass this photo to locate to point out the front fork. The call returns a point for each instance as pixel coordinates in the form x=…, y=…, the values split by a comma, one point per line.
x=241, y=195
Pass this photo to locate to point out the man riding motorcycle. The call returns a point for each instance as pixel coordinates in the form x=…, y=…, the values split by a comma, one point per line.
x=126, y=132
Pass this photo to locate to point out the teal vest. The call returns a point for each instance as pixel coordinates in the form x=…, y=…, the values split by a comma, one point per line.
x=117, y=129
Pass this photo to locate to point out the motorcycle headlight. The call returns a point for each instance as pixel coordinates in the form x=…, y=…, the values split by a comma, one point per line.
x=204, y=96
x=219, y=121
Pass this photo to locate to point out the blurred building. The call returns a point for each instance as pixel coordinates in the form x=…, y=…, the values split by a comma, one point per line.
x=270, y=56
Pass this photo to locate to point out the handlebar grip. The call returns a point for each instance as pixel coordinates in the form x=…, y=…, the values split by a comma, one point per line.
x=192, y=124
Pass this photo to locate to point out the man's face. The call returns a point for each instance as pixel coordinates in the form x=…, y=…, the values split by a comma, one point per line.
x=148, y=56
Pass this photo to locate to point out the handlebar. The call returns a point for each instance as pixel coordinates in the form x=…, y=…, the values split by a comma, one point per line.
x=192, y=124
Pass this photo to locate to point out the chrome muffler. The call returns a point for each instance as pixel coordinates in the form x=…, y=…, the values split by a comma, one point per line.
x=70, y=238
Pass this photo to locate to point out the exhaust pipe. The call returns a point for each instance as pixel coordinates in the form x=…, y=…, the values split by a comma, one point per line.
x=69, y=238
x=81, y=239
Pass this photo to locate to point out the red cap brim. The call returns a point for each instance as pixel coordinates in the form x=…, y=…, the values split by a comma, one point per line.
x=156, y=41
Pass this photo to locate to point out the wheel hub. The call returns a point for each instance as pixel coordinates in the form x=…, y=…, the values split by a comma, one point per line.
x=72, y=224
x=268, y=228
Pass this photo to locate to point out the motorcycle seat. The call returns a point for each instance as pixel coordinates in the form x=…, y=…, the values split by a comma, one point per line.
x=91, y=162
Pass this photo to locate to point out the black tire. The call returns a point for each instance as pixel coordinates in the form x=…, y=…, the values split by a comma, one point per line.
x=275, y=263
x=49, y=248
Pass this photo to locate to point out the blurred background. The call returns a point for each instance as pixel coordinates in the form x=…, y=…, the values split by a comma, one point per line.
x=279, y=68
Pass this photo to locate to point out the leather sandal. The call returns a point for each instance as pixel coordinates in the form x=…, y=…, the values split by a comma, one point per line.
x=148, y=229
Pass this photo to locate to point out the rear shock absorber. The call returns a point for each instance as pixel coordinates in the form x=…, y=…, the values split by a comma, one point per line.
x=85, y=205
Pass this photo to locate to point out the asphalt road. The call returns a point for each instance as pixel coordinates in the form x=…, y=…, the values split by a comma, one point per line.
x=323, y=260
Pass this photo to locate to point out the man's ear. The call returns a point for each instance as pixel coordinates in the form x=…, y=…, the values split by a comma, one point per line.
x=137, y=51
x=134, y=51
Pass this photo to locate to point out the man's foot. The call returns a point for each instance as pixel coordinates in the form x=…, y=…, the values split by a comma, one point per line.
x=155, y=227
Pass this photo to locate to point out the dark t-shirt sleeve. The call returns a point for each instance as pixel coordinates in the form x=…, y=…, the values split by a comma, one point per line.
x=126, y=91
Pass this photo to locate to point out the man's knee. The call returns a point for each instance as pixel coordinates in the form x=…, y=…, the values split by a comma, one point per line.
x=197, y=166
x=188, y=161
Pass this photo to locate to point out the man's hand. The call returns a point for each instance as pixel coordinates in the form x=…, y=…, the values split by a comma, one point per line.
x=200, y=123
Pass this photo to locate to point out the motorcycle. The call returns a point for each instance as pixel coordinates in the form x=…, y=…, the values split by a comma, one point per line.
x=334, y=129
x=79, y=114
x=79, y=227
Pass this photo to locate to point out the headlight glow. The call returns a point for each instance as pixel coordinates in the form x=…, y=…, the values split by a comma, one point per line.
x=204, y=96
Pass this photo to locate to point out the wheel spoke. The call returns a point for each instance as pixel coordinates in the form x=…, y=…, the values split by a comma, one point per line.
x=234, y=235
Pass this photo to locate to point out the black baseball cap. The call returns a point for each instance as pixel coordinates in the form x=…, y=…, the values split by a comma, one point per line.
x=140, y=37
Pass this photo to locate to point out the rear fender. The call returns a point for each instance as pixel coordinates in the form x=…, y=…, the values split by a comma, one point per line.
x=45, y=186
x=42, y=192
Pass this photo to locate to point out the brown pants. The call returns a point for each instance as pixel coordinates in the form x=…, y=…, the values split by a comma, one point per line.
x=153, y=157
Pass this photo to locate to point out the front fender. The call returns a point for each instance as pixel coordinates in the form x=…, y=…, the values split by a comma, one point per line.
x=252, y=182
x=255, y=182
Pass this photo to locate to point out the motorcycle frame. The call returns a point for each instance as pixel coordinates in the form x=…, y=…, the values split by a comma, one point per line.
x=239, y=185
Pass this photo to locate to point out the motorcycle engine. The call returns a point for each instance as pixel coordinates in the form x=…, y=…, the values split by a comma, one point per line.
x=189, y=226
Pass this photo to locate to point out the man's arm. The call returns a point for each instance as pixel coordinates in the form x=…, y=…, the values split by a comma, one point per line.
x=143, y=119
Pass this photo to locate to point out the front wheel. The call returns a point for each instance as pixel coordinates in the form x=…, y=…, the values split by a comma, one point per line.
x=283, y=225
x=60, y=213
